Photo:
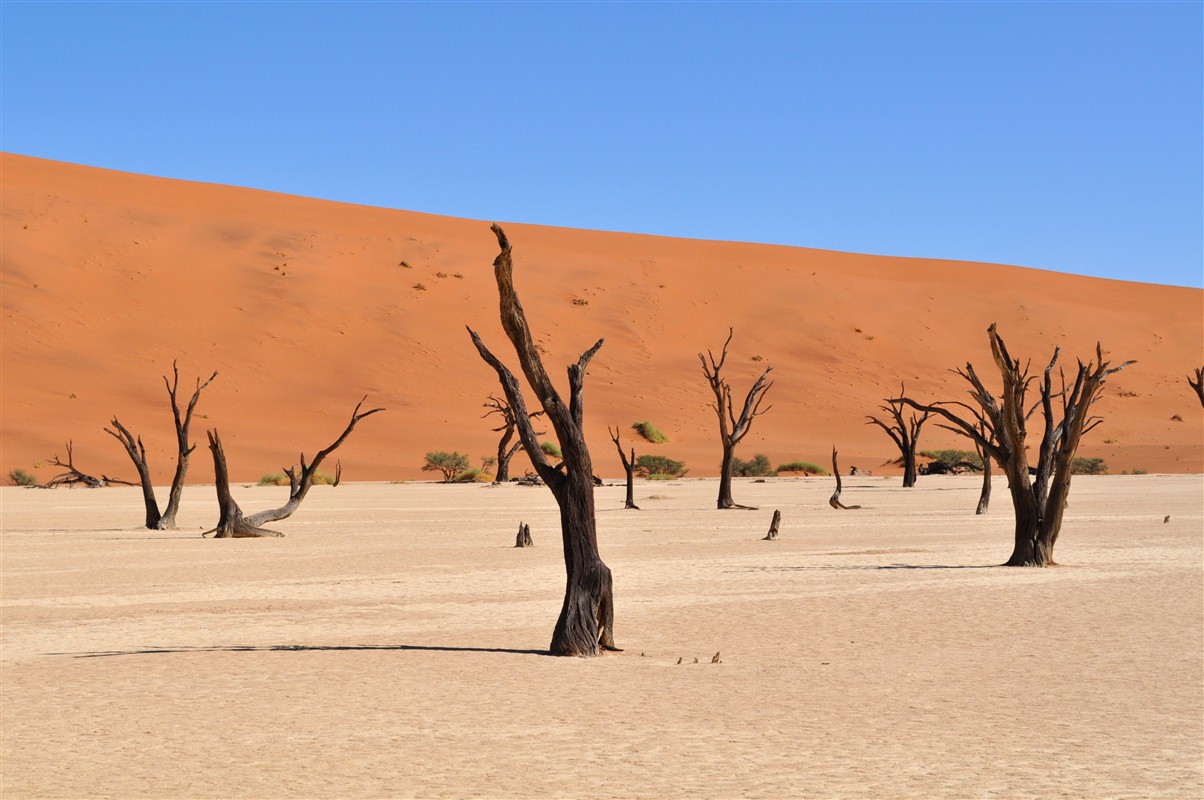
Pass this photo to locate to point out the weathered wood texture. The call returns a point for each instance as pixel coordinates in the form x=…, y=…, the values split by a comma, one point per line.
x=586, y=622
x=773, y=525
x=1000, y=429
x=834, y=500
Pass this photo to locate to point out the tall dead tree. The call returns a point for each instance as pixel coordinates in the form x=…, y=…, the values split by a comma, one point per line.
x=628, y=468
x=1000, y=428
x=731, y=428
x=505, y=449
x=137, y=453
x=586, y=622
x=1197, y=383
x=232, y=523
x=905, y=433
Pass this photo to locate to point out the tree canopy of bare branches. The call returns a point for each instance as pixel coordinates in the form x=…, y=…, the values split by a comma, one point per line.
x=505, y=448
x=905, y=433
x=999, y=426
x=586, y=622
x=73, y=477
x=137, y=453
x=1197, y=383
x=732, y=428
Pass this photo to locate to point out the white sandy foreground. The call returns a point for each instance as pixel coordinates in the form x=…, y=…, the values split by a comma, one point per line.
x=389, y=646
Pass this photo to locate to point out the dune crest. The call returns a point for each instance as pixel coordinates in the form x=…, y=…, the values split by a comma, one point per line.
x=304, y=306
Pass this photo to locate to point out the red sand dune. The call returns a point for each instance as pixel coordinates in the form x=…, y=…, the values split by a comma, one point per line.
x=304, y=306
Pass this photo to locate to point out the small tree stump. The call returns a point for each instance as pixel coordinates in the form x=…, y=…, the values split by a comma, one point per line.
x=834, y=500
x=524, y=536
x=773, y=526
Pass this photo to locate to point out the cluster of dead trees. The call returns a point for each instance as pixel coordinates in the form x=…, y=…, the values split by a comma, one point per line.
x=232, y=523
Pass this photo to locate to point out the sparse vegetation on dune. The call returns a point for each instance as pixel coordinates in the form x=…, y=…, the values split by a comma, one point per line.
x=650, y=432
x=806, y=467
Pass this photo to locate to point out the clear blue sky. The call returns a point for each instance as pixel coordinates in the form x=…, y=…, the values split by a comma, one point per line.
x=1064, y=136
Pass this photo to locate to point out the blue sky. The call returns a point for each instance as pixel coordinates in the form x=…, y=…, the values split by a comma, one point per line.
x=1063, y=136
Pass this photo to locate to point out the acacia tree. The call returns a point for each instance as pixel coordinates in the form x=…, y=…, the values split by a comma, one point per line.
x=137, y=453
x=1197, y=383
x=232, y=523
x=731, y=428
x=999, y=428
x=628, y=468
x=505, y=450
x=904, y=433
x=586, y=622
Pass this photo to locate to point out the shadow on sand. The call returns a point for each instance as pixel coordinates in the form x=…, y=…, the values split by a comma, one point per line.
x=302, y=648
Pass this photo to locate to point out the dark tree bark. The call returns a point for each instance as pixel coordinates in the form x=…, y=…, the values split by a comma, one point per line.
x=628, y=468
x=999, y=427
x=505, y=449
x=233, y=523
x=834, y=500
x=1197, y=383
x=773, y=525
x=984, y=497
x=73, y=477
x=586, y=622
x=731, y=428
x=904, y=433
x=137, y=453
x=523, y=539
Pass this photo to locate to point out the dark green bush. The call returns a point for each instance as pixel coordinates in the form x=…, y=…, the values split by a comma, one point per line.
x=647, y=466
x=1088, y=466
x=449, y=464
x=947, y=459
x=758, y=467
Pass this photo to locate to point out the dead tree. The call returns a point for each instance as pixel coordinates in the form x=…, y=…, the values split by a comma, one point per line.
x=586, y=622
x=834, y=500
x=773, y=525
x=999, y=427
x=233, y=523
x=984, y=497
x=731, y=428
x=904, y=433
x=628, y=468
x=1197, y=383
x=73, y=477
x=523, y=539
x=137, y=453
x=505, y=450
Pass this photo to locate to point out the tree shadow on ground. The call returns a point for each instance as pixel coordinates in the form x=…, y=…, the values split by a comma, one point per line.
x=303, y=648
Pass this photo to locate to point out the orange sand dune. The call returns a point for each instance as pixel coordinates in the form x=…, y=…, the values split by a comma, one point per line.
x=305, y=306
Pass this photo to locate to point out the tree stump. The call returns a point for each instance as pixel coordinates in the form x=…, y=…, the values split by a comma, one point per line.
x=524, y=536
x=773, y=526
x=834, y=500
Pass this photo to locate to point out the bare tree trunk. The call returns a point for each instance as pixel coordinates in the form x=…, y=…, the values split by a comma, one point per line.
x=73, y=477
x=505, y=450
x=1197, y=383
x=834, y=500
x=231, y=523
x=184, y=447
x=999, y=428
x=137, y=453
x=905, y=434
x=628, y=468
x=984, y=497
x=773, y=525
x=586, y=622
x=731, y=429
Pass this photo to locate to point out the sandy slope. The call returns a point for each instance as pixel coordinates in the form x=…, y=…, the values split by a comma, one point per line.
x=304, y=306
x=388, y=647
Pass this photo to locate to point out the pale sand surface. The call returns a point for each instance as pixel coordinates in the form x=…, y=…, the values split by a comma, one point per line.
x=388, y=647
